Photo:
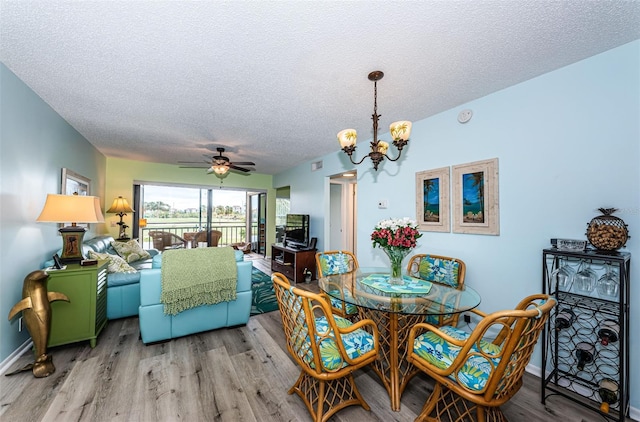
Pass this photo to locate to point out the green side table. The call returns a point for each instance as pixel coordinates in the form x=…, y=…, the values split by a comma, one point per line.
x=85, y=315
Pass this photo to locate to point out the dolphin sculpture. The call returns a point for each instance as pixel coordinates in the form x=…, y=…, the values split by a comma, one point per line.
x=36, y=311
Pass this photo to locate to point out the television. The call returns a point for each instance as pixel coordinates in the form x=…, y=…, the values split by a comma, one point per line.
x=296, y=231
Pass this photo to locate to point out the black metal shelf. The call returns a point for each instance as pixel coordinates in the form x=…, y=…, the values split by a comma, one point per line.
x=559, y=359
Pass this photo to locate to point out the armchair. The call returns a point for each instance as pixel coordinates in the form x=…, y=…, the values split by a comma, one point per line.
x=166, y=240
x=327, y=348
x=201, y=236
x=443, y=270
x=338, y=262
x=474, y=373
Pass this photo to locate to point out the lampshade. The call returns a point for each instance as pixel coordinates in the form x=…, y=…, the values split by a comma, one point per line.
x=120, y=205
x=400, y=130
x=71, y=209
x=347, y=137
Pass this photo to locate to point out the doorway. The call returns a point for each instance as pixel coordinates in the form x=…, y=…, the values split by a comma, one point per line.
x=342, y=225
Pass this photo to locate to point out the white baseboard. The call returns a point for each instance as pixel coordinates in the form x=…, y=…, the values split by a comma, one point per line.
x=537, y=371
x=10, y=360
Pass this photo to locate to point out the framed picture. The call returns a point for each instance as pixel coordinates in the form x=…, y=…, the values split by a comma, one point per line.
x=74, y=183
x=432, y=200
x=475, y=198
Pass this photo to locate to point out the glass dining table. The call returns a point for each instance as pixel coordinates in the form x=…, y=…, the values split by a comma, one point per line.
x=395, y=309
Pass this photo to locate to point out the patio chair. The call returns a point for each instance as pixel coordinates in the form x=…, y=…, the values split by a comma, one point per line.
x=201, y=237
x=338, y=262
x=474, y=372
x=327, y=348
x=442, y=270
x=166, y=240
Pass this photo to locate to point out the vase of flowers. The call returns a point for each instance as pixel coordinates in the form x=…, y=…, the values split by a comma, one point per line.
x=397, y=237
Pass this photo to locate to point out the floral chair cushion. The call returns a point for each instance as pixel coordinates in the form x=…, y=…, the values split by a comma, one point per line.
x=355, y=343
x=435, y=350
x=443, y=271
x=346, y=307
x=334, y=263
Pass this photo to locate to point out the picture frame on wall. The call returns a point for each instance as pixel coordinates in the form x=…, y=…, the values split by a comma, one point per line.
x=475, y=198
x=432, y=200
x=73, y=183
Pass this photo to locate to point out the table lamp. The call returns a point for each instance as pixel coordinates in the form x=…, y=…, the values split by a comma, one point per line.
x=121, y=207
x=75, y=209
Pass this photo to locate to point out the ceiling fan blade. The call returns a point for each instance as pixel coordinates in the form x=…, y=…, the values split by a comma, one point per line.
x=195, y=167
x=243, y=163
x=193, y=162
x=239, y=168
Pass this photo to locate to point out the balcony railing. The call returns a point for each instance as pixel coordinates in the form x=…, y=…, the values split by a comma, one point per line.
x=231, y=232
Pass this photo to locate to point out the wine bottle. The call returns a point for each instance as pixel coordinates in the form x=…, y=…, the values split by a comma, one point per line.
x=564, y=319
x=608, y=331
x=608, y=390
x=584, y=353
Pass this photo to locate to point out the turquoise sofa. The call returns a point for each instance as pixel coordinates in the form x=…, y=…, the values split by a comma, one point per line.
x=123, y=289
x=156, y=326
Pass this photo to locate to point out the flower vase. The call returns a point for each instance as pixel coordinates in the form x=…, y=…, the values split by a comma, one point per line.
x=396, y=256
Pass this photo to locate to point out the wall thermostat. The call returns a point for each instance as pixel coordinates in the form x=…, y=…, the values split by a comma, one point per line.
x=465, y=115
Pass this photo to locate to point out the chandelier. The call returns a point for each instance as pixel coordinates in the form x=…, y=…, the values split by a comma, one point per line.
x=400, y=132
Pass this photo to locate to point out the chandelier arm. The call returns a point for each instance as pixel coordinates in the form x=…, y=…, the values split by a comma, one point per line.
x=393, y=159
x=359, y=162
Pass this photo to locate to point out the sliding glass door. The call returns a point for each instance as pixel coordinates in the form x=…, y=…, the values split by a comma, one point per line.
x=185, y=211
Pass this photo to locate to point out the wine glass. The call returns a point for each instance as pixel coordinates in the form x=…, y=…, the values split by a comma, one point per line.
x=562, y=277
x=609, y=284
x=584, y=282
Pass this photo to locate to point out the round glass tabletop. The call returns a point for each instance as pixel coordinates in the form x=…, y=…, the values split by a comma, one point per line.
x=370, y=288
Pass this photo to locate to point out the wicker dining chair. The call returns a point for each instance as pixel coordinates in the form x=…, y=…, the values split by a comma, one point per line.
x=327, y=348
x=443, y=270
x=338, y=262
x=166, y=240
x=474, y=372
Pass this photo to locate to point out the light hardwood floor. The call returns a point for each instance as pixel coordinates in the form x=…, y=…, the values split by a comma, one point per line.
x=234, y=374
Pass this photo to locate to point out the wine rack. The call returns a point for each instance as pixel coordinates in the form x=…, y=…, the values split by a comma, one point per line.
x=574, y=334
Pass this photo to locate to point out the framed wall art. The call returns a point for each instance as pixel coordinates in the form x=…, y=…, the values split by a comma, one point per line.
x=74, y=183
x=475, y=198
x=432, y=200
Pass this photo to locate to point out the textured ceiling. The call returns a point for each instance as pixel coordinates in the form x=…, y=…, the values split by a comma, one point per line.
x=274, y=81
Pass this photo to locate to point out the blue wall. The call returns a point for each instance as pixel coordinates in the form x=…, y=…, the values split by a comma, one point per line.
x=36, y=144
x=568, y=142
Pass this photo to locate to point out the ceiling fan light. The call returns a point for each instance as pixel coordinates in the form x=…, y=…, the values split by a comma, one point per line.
x=220, y=169
x=347, y=138
x=400, y=130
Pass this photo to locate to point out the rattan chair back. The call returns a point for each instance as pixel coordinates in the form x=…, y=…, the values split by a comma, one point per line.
x=503, y=357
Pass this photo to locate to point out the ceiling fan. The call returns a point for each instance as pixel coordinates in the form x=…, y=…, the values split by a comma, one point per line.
x=219, y=164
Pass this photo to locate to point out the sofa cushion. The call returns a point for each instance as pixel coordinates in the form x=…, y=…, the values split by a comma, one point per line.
x=116, y=263
x=123, y=279
x=131, y=250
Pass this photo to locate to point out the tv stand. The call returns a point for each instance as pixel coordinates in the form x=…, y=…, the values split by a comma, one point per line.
x=292, y=262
